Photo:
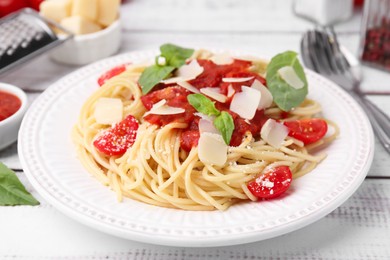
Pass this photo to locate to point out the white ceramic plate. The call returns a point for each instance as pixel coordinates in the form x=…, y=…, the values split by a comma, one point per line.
x=49, y=161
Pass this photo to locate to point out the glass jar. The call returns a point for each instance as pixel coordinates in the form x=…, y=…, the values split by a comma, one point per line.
x=375, y=34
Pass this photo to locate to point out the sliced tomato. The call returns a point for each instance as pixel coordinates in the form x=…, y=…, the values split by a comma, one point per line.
x=272, y=183
x=117, y=139
x=111, y=73
x=307, y=130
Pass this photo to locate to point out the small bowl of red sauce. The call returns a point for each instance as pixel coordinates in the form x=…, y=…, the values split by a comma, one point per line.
x=13, y=105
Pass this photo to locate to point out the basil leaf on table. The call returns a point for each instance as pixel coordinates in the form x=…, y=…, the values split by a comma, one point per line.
x=176, y=56
x=153, y=75
x=225, y=124
x=12, y=191
x=285, y=96
x=203, y=105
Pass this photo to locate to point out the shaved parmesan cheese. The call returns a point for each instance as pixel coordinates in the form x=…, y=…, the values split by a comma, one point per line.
x=159, y=104
x=173, y=80
x=161, y=109
x=266, y=96
x=188, y=86
x=108, y=111
x=212, y=149
x=274, y=133
x=165, y=110
x=214, y=94
x=222, y=59
x=190, y=71
x=289, y=75
x=231, y=91
x=245, y=103
x=205, y=117
x=232, y=80
x=206, y=126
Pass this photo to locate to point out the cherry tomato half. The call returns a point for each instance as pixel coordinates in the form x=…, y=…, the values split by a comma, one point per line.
x=111, y=73
x=272, y=183
x=116, y=140
x=307, y=130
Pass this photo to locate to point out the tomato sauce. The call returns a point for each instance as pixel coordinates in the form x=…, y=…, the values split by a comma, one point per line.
x=9, y=105
x=210, y=77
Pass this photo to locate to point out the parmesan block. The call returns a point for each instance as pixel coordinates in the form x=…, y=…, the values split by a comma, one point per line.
x=108, y=111
x=107, y=11
x=85, y=8
x=245, y=103
x=289, y=75
x=55, y=10
x=212, y=149
x=80, y=25
x=274, y=133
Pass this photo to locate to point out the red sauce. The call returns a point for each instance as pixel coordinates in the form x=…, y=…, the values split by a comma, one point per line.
x=9, y=104
x=211, y=77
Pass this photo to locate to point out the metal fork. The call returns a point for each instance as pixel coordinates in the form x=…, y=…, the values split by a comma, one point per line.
x=322, y=53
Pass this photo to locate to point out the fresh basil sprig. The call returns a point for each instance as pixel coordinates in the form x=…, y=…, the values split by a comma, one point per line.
x=285, y=96
x=223, y=120
x=203, y=105
x=12, y=191
x=225, y=124
x=175, y=57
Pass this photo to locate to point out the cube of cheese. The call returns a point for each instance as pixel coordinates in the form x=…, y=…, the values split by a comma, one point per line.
x=80, y=25
x=85, y=8
x=108, y=111
x=107, y=11
x=55, y=10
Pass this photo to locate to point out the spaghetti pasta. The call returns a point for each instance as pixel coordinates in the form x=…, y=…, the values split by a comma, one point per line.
x=156, y=169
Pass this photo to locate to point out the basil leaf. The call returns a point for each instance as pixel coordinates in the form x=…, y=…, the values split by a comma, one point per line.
x=285, y=96
x=12, y=191
x=176, y=56
x=203, y=105
x=225, y=124
x=152, y=76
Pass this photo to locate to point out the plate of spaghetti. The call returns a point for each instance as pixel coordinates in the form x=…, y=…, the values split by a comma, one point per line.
x=190, y=147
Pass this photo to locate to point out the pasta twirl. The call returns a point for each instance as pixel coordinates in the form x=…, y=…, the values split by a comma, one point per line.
x=158, y=170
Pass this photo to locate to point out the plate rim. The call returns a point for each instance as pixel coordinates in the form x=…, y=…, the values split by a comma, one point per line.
x=240, y=238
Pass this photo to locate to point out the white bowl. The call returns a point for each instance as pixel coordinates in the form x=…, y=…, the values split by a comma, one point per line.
x=9, y=127
x=84, y=49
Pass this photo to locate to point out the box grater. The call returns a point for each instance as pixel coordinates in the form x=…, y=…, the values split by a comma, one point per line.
x=24, y=35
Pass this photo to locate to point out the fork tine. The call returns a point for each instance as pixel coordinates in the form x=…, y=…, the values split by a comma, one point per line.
x=321, y=62
x=305, y=49
x=342, y=63
x=326, y=45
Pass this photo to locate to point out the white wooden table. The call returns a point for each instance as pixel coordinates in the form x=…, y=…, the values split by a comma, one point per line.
x=359, y=229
